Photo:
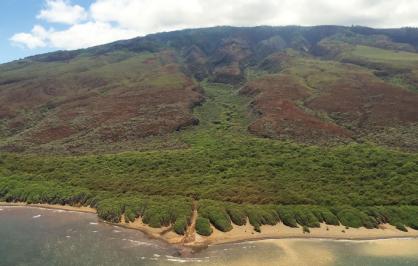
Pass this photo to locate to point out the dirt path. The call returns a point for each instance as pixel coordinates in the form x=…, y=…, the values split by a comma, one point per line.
x=190, y=234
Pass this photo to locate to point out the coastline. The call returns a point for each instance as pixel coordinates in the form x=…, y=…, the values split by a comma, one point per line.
x=50, y=206
x=244, y=233
x=328, y=232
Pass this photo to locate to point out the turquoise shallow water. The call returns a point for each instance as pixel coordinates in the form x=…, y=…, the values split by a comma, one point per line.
x=33, y=236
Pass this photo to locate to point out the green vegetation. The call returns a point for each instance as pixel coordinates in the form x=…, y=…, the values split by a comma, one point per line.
x=233, y=177
x=260, y=215
x=384, y=55
x=203, y=226
x=216, y=214
x=401, y=80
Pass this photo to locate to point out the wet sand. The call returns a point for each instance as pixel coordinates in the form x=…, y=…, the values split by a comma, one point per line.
x=78, y=237
x=328, y=252
x=247, y=232
x=279, y=231
x=51, y=206
x=163, y=233
x=389, y=248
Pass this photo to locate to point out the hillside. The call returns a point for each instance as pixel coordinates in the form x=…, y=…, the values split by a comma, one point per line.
x=295, y=124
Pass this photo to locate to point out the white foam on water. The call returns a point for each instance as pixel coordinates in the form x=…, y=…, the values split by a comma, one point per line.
x=116, y=231
x=183, y=260
x=391, y=238
x=363, y=240
x=92, y=223
x=139, y=243
x=95, y=231
x=67, y=236
x=177, y=260
x=36, y=216
x=1, y=210
x=244, y=242
x=157, y=255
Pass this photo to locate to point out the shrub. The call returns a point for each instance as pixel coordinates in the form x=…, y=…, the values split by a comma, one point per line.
x=401, y=227
x=329, y=217
x=220, y=220
x=261, y=215
x=110, y=210
x=203, y=226
x=369, y=222
x=287, y=216
x=180, y=226
x=216, y=213
x=130, y=216
x=305, y=217
x=237, y=215
x=350, y=217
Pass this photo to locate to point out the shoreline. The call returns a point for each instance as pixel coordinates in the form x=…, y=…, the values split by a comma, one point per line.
x=243, y=233
x=50, y=207
x=324, y=232
x=318, y=238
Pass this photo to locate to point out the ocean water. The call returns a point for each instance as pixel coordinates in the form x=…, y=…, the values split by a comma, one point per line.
x=34, y=236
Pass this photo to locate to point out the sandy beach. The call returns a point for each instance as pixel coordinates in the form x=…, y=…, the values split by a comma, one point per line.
x=163, y=233
x=51, y=206
x=247, y=232
x=319, y=252
x=73, y=236
x=281, y=231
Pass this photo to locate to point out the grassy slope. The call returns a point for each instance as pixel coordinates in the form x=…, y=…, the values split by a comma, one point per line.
x=225, y=169
x=314, y=100
x=91, y=103
x=384, y=55
x=397, y=67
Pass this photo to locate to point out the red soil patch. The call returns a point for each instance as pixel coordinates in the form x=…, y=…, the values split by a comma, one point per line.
x=279, y=115
x=228, y=74
x=52, y=133
x=74, y=107
x=5, y=112
x=150, y=61
x=365, y=102
x=121, y=117
x=358, y=103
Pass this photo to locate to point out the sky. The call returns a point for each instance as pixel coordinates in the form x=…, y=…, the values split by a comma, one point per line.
x=29, y=27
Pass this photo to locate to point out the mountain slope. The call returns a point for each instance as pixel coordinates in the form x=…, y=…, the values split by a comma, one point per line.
x=116, y=94
x=301, y=125
x=94, y=100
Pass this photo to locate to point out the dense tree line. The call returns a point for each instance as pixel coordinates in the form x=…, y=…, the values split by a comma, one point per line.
x=222, y=215
x=158, y=211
